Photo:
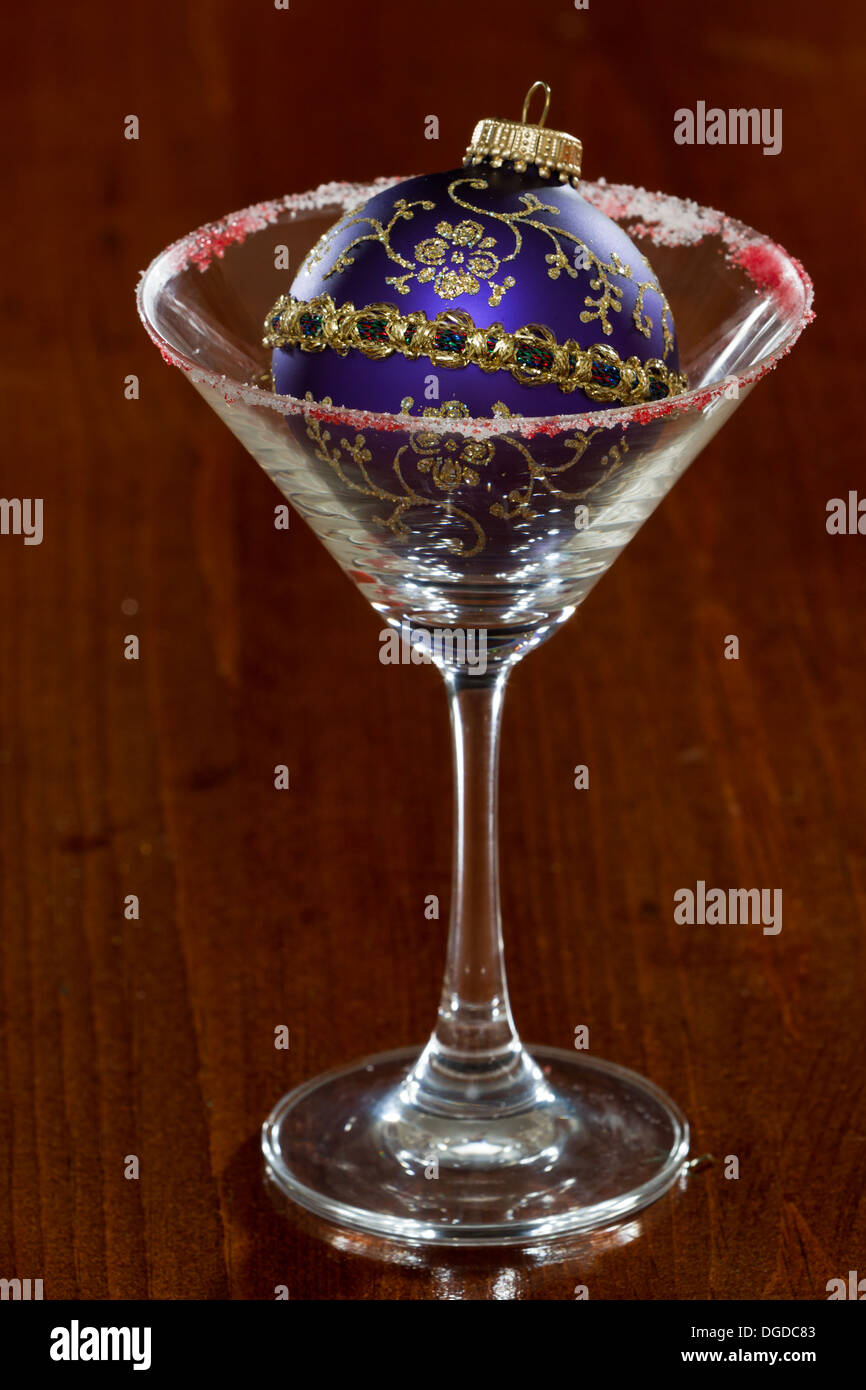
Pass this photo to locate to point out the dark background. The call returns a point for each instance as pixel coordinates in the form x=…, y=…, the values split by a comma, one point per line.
x=155, y=1037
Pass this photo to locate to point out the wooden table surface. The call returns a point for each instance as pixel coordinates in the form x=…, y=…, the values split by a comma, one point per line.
x=154, y=1037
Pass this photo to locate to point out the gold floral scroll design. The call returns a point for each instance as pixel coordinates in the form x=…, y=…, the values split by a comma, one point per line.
x=380, y=231
x=457, y=259
x=447, y=471
x=545, y=474
x=452, y=462
x=582, y=258
x=519, y=501
x=531, y=354
x=463, y=255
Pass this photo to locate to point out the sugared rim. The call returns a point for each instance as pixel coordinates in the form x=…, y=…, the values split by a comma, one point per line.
x=660, y=217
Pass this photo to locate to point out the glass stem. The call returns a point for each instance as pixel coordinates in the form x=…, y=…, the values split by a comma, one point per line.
x=474, y=1062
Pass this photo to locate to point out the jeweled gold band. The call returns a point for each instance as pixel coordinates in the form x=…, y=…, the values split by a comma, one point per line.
x=531, y=354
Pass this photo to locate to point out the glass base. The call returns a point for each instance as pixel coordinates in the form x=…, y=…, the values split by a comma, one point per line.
x=352, y=1147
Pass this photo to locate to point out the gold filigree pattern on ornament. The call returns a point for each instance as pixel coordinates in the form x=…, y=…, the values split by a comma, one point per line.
x=355, y=452
x=463, y=255
x=453, y=462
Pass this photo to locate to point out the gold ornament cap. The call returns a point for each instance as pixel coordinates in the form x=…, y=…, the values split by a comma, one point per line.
x=521, y=144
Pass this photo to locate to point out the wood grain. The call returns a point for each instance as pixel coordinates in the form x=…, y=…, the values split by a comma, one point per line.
x=155, y=1038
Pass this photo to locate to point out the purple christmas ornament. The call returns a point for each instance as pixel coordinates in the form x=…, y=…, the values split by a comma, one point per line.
x=494, y=289
x=499, y=273
x=507, y=252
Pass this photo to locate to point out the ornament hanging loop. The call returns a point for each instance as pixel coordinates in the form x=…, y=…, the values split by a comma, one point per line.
x=520, y=144
x=544, y=87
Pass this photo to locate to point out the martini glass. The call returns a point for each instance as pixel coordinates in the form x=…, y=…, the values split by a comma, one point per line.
x=490, y=533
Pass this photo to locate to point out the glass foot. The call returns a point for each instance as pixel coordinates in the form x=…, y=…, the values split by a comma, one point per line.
x=600, y=1144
